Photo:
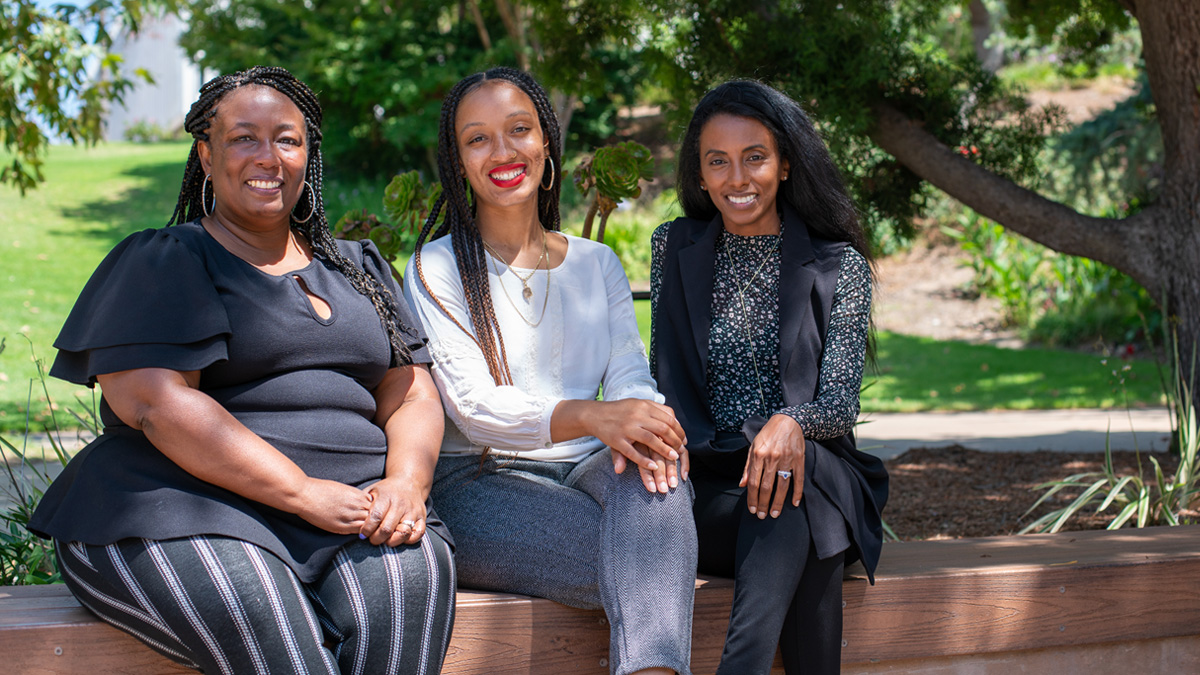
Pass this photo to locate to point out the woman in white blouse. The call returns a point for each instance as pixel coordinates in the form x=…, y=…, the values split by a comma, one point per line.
x=547, y=490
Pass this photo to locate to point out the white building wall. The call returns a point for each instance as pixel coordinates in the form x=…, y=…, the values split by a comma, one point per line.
x=176, y=79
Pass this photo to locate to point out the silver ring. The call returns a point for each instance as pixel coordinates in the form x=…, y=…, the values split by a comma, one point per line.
x=410, y=523
x=784, y=474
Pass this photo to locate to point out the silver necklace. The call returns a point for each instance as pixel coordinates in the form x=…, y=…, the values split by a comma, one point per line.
x=527, y=292
x=741, y=291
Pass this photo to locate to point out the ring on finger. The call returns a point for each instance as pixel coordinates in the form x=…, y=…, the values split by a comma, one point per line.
x=784, y=475
x=410, y=523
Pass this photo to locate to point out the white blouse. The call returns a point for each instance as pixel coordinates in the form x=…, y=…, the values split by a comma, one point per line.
x=587, y=339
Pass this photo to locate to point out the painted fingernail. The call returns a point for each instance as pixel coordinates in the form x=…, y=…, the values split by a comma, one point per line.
x=753, y=509
x=674, y=481
x=774, y=514
x=662, y=487
x=762, y=516
x=361, y=535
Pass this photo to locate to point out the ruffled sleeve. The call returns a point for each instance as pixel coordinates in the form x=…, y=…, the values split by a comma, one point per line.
x=150, y=304
x=374, y=264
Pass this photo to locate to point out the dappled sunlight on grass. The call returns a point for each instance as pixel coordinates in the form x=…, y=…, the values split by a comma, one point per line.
x=916, y=373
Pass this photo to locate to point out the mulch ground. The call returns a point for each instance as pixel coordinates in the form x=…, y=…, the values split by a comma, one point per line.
x=950, y=492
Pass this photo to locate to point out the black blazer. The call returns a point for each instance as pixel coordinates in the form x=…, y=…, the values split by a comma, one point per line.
x=808, y=275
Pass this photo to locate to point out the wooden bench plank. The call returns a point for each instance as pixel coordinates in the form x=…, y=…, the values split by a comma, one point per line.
x=933, y=600
x=995, y=594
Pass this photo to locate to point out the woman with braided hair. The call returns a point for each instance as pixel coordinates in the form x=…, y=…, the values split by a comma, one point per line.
x=261, y=487
x=548, y=491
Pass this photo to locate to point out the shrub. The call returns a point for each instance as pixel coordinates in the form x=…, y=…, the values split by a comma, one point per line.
x=1055, y=299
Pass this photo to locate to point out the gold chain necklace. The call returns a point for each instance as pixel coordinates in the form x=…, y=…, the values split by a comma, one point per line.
x=528, y=292
x=741, y=291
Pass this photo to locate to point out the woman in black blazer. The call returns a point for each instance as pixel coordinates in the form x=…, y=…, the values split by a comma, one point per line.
x=761, y=306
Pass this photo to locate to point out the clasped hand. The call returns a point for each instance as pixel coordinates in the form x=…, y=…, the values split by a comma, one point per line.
x=648, y=435
x=389, y=512
x=778, y=447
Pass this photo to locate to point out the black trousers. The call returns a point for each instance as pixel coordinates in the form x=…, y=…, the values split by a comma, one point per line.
x=783, y=595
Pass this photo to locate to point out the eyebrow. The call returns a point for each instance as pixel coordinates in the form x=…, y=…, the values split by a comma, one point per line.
x=515, y=113
x=756, y=146
x=253, y=126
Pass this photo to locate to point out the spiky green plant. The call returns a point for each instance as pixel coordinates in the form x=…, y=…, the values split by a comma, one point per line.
x=24, y=557
x=1166, y=500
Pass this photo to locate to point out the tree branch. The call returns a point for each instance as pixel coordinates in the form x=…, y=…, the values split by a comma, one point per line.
x=477, y=17
x=514, y=24
x=1120, y=243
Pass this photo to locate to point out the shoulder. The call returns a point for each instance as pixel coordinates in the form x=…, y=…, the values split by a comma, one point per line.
x=853, y=264
x=439, y=253
x=438, y=267
x=854, y=273
x=581, y=249
x=659, y=238
x=683, y=225
x=167, y=249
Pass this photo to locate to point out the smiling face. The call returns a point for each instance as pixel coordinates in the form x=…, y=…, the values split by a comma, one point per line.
x=740, y=168
x=500, y=144
x=256, y=155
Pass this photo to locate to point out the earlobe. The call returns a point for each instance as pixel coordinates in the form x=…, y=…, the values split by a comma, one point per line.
x=204, y=151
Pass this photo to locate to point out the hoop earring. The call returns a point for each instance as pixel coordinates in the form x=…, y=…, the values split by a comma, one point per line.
x=203, y=201
x=312, y=198
x=552, y=175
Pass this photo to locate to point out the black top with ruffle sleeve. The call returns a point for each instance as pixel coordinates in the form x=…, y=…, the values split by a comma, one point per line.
x=175, y=298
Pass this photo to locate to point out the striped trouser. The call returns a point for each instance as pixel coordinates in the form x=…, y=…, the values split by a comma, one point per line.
x=222, y=605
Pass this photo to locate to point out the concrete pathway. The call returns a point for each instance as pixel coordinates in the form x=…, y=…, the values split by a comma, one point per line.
x=890, y=434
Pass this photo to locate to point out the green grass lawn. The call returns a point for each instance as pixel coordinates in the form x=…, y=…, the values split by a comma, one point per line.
x=913, y=374
x=53, y=238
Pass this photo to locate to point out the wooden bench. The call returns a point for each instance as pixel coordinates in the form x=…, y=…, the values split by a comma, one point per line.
x=1080, y=602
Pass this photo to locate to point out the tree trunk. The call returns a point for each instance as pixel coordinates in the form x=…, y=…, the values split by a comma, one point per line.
x=982, y=28
x=564, y=107
x=1160, y=245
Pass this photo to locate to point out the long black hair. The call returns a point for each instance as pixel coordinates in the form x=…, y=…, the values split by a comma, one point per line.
x=469, y=253
x=315, y=228
x=814, y=187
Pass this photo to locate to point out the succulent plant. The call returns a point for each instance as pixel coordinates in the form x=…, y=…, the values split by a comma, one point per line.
x=616, y=173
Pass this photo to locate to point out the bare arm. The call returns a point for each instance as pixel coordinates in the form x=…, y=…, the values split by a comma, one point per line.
x=199, y=435
x=409, y=410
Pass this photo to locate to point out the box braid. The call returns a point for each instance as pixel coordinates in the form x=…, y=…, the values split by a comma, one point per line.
x=467, y=243
x=316, y=229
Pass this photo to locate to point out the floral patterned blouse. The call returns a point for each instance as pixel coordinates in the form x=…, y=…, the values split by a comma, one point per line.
x=743, y=348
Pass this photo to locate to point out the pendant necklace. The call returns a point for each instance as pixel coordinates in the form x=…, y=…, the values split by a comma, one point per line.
x=741, y=291
x=526, y=291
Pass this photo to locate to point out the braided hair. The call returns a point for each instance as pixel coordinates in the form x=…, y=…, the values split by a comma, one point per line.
x=467, y=243
x=315, y=228
x=815, y=191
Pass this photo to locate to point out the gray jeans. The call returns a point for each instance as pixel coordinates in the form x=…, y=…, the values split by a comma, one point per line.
x=581, y=535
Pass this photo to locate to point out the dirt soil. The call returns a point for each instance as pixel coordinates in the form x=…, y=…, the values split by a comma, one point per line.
x=923, y=291
x=950, y=492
